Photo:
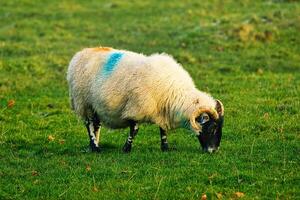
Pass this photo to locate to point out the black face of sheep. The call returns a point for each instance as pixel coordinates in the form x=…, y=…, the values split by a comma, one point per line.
x=210, y=136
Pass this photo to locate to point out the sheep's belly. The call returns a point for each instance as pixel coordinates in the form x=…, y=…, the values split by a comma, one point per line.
x=116, y=124
x=113, y=122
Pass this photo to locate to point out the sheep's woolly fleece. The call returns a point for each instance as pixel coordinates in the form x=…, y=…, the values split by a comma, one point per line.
x=120, y=85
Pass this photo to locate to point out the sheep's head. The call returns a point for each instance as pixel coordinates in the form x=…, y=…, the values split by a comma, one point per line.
x=208, y=123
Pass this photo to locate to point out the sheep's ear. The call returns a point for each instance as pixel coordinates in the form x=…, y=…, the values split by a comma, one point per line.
x=219, y=107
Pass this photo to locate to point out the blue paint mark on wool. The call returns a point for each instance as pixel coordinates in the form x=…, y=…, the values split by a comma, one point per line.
x=111, y=63
x=185, y=124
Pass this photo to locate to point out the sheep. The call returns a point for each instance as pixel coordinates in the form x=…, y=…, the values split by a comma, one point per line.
x=119, y=89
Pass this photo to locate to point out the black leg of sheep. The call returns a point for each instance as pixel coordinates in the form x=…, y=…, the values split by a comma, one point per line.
x=93, y=126
x=134, y=128
x=164, y=142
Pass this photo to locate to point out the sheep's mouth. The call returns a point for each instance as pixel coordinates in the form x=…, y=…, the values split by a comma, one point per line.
x=210, y=149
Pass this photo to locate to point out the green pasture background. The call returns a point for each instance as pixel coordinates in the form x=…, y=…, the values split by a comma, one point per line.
x=246, y=53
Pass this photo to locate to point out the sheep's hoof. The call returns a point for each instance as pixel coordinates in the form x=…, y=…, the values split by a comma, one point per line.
x=127, y=148
x=164, y=147
x=95, y=149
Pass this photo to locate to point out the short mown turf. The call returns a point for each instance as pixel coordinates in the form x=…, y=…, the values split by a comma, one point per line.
x=246, y=53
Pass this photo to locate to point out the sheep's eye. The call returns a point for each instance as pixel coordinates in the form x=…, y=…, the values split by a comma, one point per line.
x=203, y=118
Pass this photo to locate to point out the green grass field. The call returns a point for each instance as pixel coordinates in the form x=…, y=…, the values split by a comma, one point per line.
x=246, y=53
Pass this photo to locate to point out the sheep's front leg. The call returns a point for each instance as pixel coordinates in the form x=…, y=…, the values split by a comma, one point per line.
x=134, y=128
x=93, y=126
x=164, y=142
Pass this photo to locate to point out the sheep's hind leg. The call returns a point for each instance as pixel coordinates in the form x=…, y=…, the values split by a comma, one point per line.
x=93, y=126
x=164, y=142
x=134, y=128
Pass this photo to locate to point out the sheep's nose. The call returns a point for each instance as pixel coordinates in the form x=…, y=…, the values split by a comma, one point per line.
x=211, y=149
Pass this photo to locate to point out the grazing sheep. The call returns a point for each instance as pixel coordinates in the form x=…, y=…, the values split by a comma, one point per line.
x=119, y=89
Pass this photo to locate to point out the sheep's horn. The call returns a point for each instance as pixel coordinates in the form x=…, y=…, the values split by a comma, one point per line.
x=211, y=111
x=219, y=107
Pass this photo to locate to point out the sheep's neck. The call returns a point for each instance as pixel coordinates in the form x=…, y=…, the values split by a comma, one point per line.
x=182, y=106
